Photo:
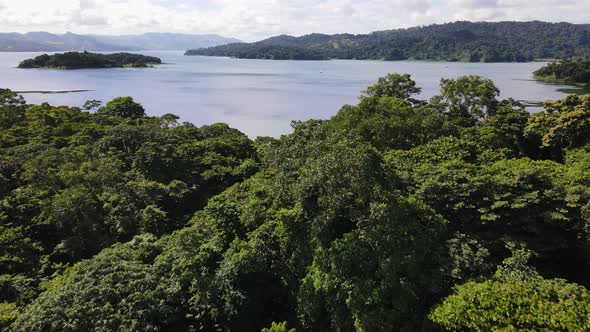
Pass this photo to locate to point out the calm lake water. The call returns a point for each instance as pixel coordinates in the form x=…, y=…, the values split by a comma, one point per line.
x=256, y=96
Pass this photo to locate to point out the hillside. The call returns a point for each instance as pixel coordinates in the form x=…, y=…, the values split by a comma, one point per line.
x=46, y=42
x=80, y=60
x=459, y=41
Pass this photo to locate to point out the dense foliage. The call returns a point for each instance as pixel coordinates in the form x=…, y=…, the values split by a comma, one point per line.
x=516, y=298
x=569, y=72
x=80, y=60
x=73, y=182
x=460, y=41
x=463, y=212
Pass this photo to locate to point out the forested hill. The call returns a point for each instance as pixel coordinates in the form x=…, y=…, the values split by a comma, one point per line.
x=460, y=213
x=459, y=41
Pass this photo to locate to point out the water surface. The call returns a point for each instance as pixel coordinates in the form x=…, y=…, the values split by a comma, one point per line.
x=259, y=97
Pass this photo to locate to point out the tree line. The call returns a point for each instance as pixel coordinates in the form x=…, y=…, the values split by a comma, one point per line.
x=462, y=212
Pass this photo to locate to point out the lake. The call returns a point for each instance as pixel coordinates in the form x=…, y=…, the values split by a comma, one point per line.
x=258, y=97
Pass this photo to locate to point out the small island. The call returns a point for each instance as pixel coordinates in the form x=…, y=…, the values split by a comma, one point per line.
x=84, y=60
x=574, y=72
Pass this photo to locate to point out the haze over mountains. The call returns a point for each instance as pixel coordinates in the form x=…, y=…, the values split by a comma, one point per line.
x=44, y=41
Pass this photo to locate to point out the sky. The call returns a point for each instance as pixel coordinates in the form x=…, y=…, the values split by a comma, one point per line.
x=252, y=20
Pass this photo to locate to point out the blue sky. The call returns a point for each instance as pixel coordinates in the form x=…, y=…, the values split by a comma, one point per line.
x=256, y=19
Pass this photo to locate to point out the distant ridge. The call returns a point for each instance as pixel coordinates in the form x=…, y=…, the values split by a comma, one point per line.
x=458, y=41
x=166, y=41
x=48, y=42
x=44, y=41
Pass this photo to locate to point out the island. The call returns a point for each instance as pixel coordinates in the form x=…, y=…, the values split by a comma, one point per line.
x=83, y=60
x=454, y=42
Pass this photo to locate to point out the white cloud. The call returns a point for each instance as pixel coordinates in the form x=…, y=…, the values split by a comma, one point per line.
x=257, y=19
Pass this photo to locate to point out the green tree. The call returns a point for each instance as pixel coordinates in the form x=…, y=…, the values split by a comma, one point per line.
x=505, y=130
x=278, y=327
x=516, y=299
x=124, y=107
x=90, y=105
x=564, y=124
x=117, y=290
x=392, y=123
x=467, y=99
x=12, y=108
x=393, y=85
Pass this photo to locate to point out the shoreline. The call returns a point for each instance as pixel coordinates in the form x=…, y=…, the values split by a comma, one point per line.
x=376, y=60
x=573, y=87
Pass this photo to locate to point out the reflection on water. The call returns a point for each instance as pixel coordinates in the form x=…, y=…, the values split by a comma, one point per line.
x=256, y=96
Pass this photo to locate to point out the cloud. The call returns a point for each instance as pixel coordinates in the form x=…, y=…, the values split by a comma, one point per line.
x=412, y=5
x=257, y=19
x=473, y=4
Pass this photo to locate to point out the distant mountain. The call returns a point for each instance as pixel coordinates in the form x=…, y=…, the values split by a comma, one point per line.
x=459, y=41
x=166, y=41
x=44, y=41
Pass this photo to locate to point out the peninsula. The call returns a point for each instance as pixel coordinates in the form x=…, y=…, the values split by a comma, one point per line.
x=576, y=72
